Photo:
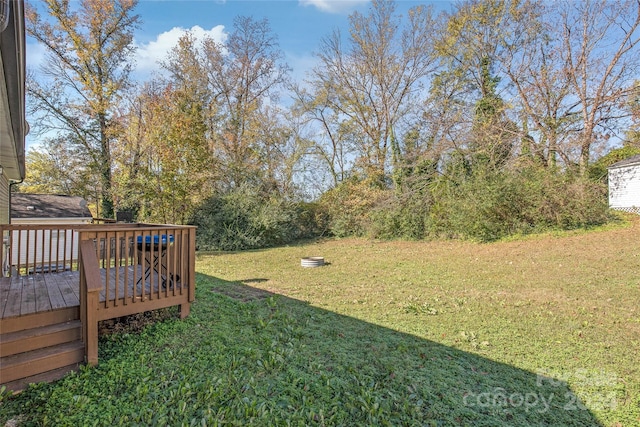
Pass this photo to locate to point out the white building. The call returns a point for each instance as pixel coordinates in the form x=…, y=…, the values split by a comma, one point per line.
x=624, y=185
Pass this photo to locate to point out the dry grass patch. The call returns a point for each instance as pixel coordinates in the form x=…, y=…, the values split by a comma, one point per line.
x=241, y=292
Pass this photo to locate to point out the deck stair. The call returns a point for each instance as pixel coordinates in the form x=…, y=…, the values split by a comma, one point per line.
x=40, y=347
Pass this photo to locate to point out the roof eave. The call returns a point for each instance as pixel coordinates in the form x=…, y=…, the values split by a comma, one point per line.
x=13, y=125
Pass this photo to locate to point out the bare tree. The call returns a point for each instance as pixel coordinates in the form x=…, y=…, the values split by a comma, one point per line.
x=331, y=143
x=600, y=40
x=366, y=87
x=473, y=42
x=533, y=62
x=569, y=65
x=243, y=77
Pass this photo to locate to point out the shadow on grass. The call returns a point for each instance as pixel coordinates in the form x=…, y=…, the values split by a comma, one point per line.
x=398, y=378
x=248, y=357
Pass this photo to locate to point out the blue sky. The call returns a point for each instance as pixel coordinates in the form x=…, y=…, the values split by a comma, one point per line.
x=298, y=24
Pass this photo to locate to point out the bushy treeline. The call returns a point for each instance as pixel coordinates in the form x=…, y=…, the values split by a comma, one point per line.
x=247, y=218
x=489, y=206
x=483, y=205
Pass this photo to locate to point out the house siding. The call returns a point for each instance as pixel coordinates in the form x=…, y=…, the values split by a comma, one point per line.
x=4, y=214
x=4, y=199
x=624, y=188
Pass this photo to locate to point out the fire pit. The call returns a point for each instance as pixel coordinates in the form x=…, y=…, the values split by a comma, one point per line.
x=312, y=261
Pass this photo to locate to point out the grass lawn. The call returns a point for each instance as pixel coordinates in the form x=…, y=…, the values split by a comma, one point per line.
x=541, y=331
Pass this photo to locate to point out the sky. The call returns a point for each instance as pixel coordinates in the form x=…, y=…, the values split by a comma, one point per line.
x=299, y=25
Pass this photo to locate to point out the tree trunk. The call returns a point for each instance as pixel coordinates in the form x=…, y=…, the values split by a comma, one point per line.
x=105, y=170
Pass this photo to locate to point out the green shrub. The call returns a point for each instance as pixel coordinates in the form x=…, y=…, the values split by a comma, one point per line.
x=488, y=206
x=598, y=169
x=482, y=205
x=403, y=216
x=245, y=218
x=479, y=208
x=348, y=206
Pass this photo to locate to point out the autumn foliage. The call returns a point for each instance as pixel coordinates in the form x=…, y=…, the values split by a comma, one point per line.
x=480, y=122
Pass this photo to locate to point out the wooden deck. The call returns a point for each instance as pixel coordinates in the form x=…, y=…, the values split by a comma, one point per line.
x=41, y=292
x=59, y=281
x=36, y=293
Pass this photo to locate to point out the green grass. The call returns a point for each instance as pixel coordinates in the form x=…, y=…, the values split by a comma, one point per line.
x=541, y=331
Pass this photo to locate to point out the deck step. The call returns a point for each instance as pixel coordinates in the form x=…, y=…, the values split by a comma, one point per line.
x=40, y=347
x=35, y=338
x=35, y=362
x=37, y=320
x=47, y=377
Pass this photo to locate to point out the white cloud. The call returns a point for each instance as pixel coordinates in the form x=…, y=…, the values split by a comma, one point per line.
x=333, y=6
x=148, y=55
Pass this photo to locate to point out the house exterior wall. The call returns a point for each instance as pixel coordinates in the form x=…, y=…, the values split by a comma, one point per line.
x=624, y=188
x=13, y=126
x=4, y=199
x=4, y=215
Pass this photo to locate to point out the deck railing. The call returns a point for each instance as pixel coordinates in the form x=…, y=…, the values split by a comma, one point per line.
x=29, y=248
x=141, y=262
x=139, y=267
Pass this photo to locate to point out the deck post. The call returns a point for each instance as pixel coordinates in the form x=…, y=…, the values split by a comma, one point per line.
x=185, y=309
x=90, y=285
x=191, y=265
x=91, y=328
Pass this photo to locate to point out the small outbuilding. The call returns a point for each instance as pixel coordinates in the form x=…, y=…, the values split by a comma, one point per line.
x=624, y=185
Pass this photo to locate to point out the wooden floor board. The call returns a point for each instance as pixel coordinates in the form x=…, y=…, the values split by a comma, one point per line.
x=55, y=294
x=71, y=280
x=69, y=289
x=43, y=302
x=28, y=297
x=5, y=284
x=14, y=298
